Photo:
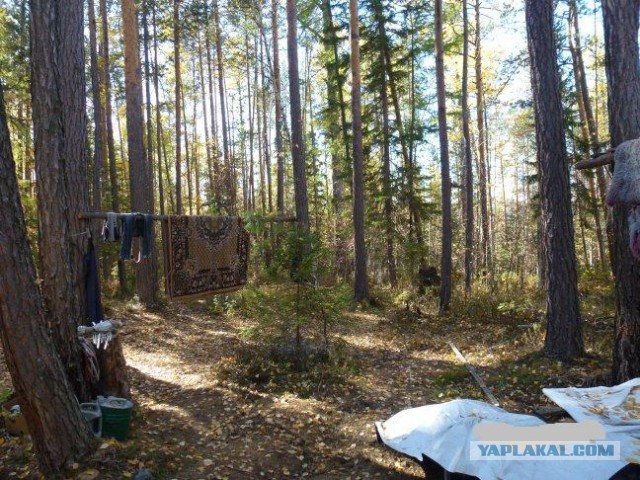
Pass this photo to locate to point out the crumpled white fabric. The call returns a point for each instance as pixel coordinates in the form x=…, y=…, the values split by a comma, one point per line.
x=617, y=408
x=443, y=432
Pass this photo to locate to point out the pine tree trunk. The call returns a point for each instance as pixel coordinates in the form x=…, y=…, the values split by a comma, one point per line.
x=140, y=182
x=587, y=121
x=250, y=111
x=156, y=88
x=98, y=113
x=214, y=123
x=178, y=101
x=446, y=282
x=111, y=147
x=195, y=158
x=263, y=193
x=207, y=139
x=483, y=177
x=623, y=75
x=468, y=165
x=187, y=154
x=279, y=114
x=297, y=139
x=361, y=283
x=228, y=171
x=60, y=139
x=265, y=129
x=58, y=430
x=564, y=325
x=147, y=83
x=386, y=173
x=243, y=134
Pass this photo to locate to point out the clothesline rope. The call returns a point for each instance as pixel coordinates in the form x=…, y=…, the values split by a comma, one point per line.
x=103, y=216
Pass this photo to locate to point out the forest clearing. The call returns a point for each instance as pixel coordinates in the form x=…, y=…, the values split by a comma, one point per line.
x=324, y=239
x=208, y=410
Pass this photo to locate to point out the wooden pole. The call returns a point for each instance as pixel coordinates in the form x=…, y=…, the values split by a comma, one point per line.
x=103, y=216
x=597, y=161
x=474, y=374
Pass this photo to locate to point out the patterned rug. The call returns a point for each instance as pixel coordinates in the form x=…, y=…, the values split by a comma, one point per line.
x=204, y=255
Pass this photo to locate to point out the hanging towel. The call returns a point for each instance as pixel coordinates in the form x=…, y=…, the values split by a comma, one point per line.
x=137, y=225
x=110, y=229
x=204, y=255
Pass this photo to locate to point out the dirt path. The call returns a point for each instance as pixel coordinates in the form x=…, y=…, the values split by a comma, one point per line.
x=225, y=430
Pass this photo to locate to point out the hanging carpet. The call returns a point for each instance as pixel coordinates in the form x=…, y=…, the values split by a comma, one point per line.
x=204, y=255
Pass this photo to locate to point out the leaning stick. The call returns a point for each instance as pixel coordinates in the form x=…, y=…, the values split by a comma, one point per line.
x=600, y=160
x=474, y=374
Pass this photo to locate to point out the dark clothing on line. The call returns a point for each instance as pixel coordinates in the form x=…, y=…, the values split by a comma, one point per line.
x=137, y=225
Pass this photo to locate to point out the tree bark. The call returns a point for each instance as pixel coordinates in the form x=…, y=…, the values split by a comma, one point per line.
x=483, y=180
x=468, y=165
x=386, y=170
x=60, y=139
x=297, y=138
x=265, y=129
x=195, y=158
x=58, y=430
x=214, y=123
x=111, y=148
x=178, y=98
x=564, y=326
x=250, y=115
x=207, y=139
x=446, y=282
x=156, y=88
x=587, y=121
x=623, y=75
x=361, y=283
x=228, y=170
x=187, y=154
x=147, y=84
x=141, y=184
x=278, y=109
x=98, y=113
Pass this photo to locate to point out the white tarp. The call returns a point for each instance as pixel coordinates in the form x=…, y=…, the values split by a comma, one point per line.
x=616, y=408
x=443, y=433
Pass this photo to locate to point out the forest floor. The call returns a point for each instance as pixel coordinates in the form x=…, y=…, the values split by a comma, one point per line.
x=217, y=396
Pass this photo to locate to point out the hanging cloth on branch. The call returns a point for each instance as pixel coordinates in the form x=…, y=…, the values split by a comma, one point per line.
x=204, y=255
x=137, y=225
x=110, y=229
x=92, y=286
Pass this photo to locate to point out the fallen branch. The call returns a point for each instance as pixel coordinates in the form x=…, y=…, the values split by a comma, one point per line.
x=474, y=374
x=600, y=160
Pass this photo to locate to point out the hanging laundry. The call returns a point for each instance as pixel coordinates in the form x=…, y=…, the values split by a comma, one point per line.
x=204, y=255
x=92, y=286
x=110, y=229
x=94, y=313
x=137, y=225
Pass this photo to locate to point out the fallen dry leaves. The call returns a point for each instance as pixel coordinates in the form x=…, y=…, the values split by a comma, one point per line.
x=211, y=405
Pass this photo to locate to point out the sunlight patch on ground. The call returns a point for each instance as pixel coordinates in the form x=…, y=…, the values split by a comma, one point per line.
x=164, y=367
x=164, y=407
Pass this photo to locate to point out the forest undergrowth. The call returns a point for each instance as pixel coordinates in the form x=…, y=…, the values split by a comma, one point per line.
x=282, y=381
